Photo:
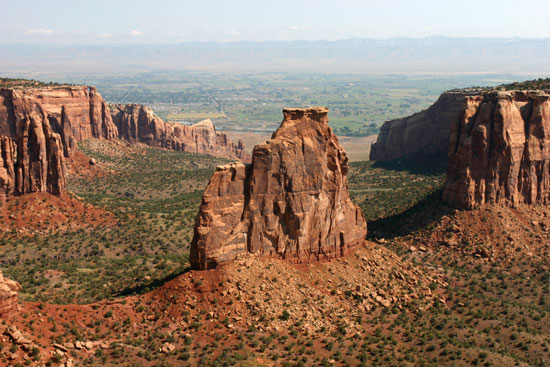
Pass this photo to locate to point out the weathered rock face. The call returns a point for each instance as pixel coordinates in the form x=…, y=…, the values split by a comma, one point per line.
x=33, y=160
x=500, y=150
x=8, y=296
x=74, y=112
x=39, y=127
x=424, y=134
x=292, y=201
x=138, y=123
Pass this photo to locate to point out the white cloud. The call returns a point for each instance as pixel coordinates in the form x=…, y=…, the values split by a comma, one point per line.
x=104, y=35
x=294, y=28
x=136, y=33
x=39, y=31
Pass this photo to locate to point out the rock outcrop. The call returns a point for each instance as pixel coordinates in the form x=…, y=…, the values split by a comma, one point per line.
x=40, y=127
x=291, y=202
x=424, y=134
x=9, y=290
x=75, y=113
x=138, y=123
x=32, y=161
x=500, y=150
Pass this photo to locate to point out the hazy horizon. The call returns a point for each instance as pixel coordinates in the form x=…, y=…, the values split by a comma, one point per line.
x=267, y=41
x=167, y=22
x=428, y=55
x=423, y=37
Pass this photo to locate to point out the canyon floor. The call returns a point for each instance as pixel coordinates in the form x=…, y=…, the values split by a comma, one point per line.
x=106, y=282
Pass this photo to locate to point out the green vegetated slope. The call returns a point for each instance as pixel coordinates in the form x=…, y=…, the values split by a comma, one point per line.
x=493, y=312
x=154, y=195
x=540, y=83
x=25, y=83
x=386, y=189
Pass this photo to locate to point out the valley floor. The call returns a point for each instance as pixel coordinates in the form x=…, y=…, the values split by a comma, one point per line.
x=432, y=286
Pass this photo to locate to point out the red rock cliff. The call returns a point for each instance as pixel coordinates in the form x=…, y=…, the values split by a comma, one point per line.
x=500, y=150
x=424, y=134
x=39, y=127
x=292, y=201
x=138, y=123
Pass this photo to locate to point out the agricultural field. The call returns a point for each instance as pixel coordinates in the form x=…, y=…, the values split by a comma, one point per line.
x=186, y=116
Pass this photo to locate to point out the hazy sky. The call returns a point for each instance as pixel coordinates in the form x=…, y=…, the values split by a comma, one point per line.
x=169, y=21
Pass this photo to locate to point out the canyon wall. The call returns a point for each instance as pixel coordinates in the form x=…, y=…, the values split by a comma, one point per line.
x=40, y=127
x=138, y=123
x=291, y=202
x=422, y=135
x=500, y=150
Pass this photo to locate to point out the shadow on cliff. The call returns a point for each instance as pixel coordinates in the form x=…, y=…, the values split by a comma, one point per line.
x=428, y=164
x=424, y=215
x=154, y=284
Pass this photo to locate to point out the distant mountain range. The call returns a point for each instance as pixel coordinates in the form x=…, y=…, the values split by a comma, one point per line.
x=435, y=54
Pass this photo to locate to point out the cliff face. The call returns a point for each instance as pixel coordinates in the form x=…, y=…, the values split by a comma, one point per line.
x=292, y=201
x=39, y=127
x=74, y=112
x=500, y=150
x=424, y=134
x=8, y=295
x=138, y=123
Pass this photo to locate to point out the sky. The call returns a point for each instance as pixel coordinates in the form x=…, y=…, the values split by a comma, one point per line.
x=170, y=21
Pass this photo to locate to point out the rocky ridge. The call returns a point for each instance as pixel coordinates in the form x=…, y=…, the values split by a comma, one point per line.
x=423, y=134
x=291, y=202
x=40, y=127
x=500, y=150
x=138, y=123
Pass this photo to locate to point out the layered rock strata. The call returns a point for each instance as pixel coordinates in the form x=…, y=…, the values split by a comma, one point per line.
x=500, y=150
x=424, y=134
x=138, y=123
x=9, y=290
x=39, y=127
x=291, y=202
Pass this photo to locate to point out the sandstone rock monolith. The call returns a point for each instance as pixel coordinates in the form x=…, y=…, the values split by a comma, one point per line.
x=291, y=202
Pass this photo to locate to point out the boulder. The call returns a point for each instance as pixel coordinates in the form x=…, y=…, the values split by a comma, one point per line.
x=9, y=290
